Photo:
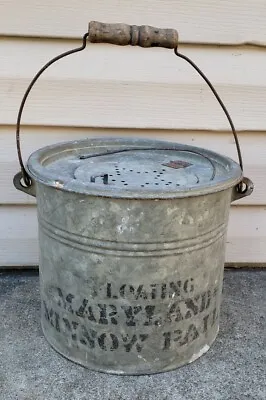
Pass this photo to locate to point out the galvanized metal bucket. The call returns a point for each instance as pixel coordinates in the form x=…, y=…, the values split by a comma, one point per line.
x=132, y=246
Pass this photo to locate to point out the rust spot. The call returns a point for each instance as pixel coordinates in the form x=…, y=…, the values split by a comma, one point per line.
x=177, y=164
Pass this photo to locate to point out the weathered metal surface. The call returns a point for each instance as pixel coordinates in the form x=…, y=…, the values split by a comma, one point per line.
x=131, y=286
x=131, y=265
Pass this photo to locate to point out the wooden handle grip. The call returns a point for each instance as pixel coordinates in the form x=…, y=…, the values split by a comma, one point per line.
x=123, y=34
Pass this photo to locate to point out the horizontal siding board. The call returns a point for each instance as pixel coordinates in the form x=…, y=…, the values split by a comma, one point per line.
x=245, y=240
x=107, y=87
x=132, y=105
x=213, y=21
x=253, y=149
x=18, y=236
x=223, y=65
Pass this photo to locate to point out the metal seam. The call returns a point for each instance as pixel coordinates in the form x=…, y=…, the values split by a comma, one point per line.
x=210, y=233
x=107, y=248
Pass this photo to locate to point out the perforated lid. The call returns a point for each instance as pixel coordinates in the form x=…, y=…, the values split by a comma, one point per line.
x=133, y=168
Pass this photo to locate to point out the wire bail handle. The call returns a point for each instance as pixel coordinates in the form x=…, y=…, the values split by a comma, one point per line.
x=122, y=35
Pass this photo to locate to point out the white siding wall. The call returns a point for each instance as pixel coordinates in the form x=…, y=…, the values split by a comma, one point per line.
x=109, y=90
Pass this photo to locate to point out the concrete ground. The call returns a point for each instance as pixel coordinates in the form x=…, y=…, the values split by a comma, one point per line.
x=233, y=369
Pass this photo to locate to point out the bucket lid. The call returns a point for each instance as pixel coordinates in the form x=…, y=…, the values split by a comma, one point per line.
x=133, y=168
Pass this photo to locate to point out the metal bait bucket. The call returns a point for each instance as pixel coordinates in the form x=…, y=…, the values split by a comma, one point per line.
x=132, y=243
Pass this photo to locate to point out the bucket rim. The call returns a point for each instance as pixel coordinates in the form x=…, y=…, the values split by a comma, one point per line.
x=38, y=161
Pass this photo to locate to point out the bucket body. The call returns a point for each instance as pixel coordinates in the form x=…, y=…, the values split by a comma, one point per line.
x=131, y=286
x=132, y=246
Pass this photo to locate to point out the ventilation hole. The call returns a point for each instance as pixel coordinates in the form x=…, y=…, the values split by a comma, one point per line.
x=131, y=170
x=161, y=173
x=163, y=170
x=138, y=172
x=123, y=181
x=123, y=168
x=162, y=180
x=113, y=180
x=156, y=177
x=118, y=173
x=146, y=172
x=154, y=171
x=110, y=175
x=157, y=184
x=142, y=185
x=167, y=184
x=170, y=182
x=125, y=184
x=147, y=183
x=177, y=184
